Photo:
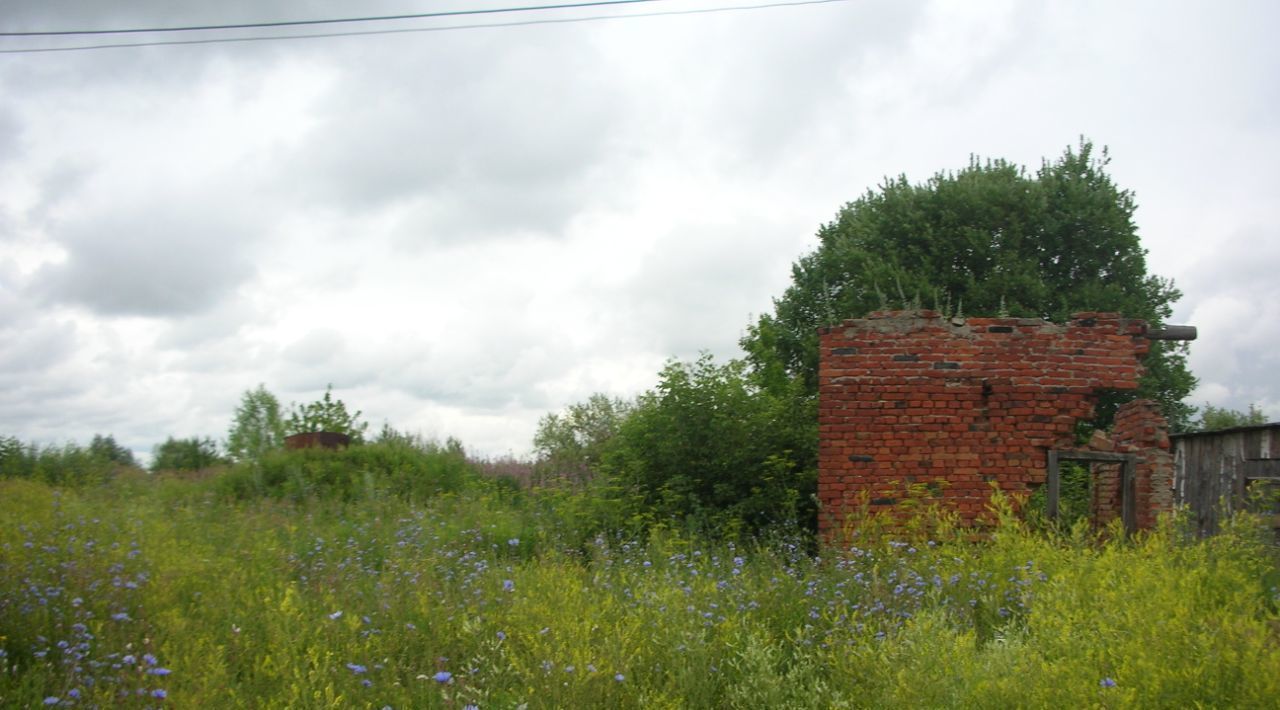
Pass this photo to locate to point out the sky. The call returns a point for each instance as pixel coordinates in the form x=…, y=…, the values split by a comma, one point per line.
x=465, y=230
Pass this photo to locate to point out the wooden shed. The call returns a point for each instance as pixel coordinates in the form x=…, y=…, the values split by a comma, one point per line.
x=1217, y=472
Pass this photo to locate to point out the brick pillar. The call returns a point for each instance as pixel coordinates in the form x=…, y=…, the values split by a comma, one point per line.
x=1142, y=430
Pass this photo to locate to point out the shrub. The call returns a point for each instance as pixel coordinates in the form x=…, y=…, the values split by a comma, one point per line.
x=409, y=469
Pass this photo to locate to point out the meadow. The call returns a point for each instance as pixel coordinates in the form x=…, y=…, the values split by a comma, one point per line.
x=324, y=586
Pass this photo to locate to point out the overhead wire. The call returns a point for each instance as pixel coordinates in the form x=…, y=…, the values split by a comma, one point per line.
x=330, y=21
x=408, y=30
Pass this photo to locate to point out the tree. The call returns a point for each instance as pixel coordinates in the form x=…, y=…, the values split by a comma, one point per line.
x=191, y=454
x=326, y=414
x=257, y=427
x=987, y=240
x=573, y=442
x=1215, y=418
x=105, y=448
x=709, y=446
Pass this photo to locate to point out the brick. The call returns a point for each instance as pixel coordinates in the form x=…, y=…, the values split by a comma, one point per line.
x=982, y=400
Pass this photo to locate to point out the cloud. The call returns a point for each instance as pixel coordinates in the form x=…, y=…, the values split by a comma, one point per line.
x=464, y=140
x=1233, y=298
x=149, y=260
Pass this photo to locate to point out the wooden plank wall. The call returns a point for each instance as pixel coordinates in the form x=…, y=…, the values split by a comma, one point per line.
x=1210, y=469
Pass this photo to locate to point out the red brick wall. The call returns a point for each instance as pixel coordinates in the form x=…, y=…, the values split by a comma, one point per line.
x=913, y=398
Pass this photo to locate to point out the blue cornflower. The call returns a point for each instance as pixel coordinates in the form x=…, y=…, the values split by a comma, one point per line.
x=120, y=617
x=356, y=668
x=148, y=659
x=1107, y=683
x=514, y=542
x=508, y=585
x=159, y=671
x=336, y=615
x=619, y=677
x=502, y=636
x=73, y=693
x=159, y=693
x=52, y=700
x=366, y=683
x=443, y=677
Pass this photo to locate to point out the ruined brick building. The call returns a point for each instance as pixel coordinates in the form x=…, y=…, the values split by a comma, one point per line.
x=955, y=406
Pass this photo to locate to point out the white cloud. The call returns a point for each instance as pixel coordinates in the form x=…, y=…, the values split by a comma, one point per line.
x=462, y=231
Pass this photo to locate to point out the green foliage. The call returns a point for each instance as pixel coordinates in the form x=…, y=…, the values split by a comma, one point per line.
x=326, y=414
x=105, y=448
x=320, y=604
x=257, y=427
x=397, y=467
x=1215, y=418
x=989, y=236
x=572, y=444
x=193, y=454
x=69, y=464
x=710, y=448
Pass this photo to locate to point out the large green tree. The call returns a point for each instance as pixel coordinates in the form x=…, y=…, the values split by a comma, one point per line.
x=988, y=239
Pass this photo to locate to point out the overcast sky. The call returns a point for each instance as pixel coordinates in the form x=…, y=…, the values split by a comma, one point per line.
x=465, y=230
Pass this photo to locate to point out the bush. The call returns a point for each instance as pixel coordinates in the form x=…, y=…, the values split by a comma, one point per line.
x=405, y=468
x=709, y=448
x=192, y=454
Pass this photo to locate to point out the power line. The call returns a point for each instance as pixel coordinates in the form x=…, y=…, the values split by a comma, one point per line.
x=449, y=28
x=334, y=21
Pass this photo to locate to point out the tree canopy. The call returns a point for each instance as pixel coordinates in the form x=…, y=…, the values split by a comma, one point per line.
x=257, y=427
x=989, y=239
x=326, y=414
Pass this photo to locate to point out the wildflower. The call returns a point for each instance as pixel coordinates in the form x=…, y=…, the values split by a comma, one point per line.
x=356, y=668
x=121, y=616
x=508, y=585
x=514, y=542
x=619, y=677
x=502, y=636
x=443, y=677
x=366, y=683
x=129, y=659
x=52, y=700
x=336, y=615
x=1107, y=683
x=73, y=693
x=159, y=671
x=159, y=694
x=148, y=659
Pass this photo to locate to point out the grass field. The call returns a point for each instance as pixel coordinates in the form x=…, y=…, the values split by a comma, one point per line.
x=163, y=592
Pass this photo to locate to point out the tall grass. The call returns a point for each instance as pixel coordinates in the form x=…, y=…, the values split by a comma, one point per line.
x=117, y=595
